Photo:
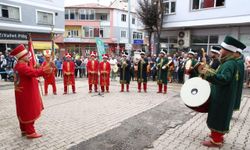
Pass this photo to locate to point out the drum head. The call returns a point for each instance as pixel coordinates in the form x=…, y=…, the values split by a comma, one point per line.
x=195, y=92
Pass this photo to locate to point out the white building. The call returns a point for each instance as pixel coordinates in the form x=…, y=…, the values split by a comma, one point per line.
x=18, y=18
x=121, y=23
x=203, y=23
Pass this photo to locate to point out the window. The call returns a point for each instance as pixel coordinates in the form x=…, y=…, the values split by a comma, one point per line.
x=91, y=14
x=72, y=14
x=73, y=33
x=96, y=32
x=103, y=17
x=101, y=32
x=137, y=35
x=91, y=32
x=201, y=4
x=86, y=14
x=204, y=41
x=67, y=11
x=82, y=14
x=9, y=12
x=169, y=6
x=45, y=18
x=123, y=34
x=133, y=20
x=124, y=17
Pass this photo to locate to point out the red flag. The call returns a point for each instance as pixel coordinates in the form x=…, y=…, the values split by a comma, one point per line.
x=32, y=54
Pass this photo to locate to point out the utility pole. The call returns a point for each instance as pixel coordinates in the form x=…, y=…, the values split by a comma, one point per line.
x=129, y=32
x=52, y=42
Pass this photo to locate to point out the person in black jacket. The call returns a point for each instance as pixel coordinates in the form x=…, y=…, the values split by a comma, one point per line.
x=215, y=54
x=125, y=74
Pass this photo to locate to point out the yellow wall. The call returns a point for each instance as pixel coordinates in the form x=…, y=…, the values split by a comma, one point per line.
x=68, y=28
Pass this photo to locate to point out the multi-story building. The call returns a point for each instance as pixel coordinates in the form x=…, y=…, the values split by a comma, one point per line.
x=39, y=18
x=204, y=23
x=84, y=23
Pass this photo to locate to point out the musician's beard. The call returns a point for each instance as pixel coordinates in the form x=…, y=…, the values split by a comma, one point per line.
x=224, y=58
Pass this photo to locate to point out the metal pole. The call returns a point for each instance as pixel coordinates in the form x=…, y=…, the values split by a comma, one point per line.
x=129, y=33
x=52, y=43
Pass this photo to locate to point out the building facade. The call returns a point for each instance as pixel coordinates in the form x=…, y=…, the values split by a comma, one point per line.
x=84, y=23
x=39, y=18
x=203, y=23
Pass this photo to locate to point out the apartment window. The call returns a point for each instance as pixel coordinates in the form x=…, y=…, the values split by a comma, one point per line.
x=96, y=32
x=72, y=14
x=201, y=4
x=91, y=32
x=204, y=41
x=82, y=14
x=123, y=34
x=124, y=17
x=73, y=33
x=169, y=6
x=9, y=12
x=101, y=32
x=137, y=35
x=86, y=14
x=103, y=17
x=45, y=18
x=133, y=20
x=67, y=11
x=91, y=14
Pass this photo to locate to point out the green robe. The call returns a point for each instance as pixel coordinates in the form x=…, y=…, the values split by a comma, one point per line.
x=192, y=72
x=241, y=70
x=223, y=95
x=142, y=71
x=162, y=74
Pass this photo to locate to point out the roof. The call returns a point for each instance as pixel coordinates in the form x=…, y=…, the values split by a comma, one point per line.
x=98, y=6
x=88, y=5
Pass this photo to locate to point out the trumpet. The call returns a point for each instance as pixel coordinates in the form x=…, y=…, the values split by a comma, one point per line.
x=124, y=64
x=205, y=69
x=142, y=61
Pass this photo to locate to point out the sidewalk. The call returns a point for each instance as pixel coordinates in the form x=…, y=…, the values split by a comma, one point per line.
x=193, y=132
x=70, y=119
x=8, y=83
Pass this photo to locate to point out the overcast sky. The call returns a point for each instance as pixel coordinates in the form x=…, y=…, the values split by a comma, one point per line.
x=73, y=2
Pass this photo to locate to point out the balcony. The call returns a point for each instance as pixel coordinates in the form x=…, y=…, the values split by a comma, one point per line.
x=93, y=23
x=85, y=40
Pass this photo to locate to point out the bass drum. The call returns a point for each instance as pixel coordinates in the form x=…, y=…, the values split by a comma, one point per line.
x=195, y=94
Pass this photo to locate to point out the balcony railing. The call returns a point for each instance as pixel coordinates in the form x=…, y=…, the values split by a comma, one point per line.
x=85, y=40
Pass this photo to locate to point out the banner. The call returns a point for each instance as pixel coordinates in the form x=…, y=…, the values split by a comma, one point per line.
x=100, y=48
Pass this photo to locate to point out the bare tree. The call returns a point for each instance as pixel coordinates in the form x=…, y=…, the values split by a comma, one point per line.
x=150, y=13
x=147, y=13
x=158, y=26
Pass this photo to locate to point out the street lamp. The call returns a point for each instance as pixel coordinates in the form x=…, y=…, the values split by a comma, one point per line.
x=52, y=42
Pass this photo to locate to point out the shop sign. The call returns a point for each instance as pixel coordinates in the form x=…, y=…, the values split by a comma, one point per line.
x=4, y=35
x=138, y=42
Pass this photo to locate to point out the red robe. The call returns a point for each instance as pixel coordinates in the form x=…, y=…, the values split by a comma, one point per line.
x=28, y=99
x=68, y=73
x=49, y=78
x=92, y=68
x=104, y=73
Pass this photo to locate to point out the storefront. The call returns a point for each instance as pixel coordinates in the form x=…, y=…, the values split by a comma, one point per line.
x=9, y=40
x=203, y=37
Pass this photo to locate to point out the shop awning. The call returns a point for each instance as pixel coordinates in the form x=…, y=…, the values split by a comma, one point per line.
x=43, y=45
